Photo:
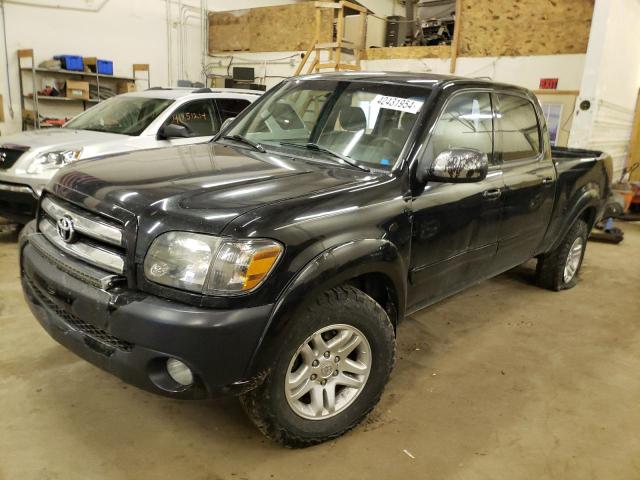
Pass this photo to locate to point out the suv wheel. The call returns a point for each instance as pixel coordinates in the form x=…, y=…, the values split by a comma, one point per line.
x=329, y=373
x=558, y=269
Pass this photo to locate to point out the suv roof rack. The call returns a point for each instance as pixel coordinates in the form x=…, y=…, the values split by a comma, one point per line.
x=202, y=90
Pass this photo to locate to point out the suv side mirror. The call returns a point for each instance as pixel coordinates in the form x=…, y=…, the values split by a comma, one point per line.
x=457, y=165
x=172, y=130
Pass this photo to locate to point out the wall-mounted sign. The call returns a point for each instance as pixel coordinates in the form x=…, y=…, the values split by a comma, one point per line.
x=548, y=83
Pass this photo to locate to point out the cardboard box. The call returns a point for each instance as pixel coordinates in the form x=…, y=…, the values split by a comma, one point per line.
x=77, y=89
x=126, y=87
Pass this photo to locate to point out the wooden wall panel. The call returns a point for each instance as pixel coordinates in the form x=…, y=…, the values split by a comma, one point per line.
x=389, y=53
x=524, y=27
x=487, y=28
x=228, y=31
x=268, y=29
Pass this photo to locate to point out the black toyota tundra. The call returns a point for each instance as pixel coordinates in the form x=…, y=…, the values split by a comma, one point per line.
x=276, y=262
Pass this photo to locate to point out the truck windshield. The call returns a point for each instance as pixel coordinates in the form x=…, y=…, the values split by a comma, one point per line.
x=123, y=114
x=367, y=122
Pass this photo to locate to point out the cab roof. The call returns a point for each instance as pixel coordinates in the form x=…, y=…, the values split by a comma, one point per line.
x=432, y=80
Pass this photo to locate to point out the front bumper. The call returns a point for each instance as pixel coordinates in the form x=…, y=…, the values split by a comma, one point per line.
x=18, y=203
x=131, y=334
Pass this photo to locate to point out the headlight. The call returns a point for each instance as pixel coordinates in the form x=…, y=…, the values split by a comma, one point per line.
x=53, y=160
x=208, y=264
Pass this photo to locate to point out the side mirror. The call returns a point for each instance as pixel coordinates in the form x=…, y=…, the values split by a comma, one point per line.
x=226, y=123
x=172, y=130
x=457, y=165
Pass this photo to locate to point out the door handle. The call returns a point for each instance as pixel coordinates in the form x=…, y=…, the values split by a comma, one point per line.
x=547, y=180
x=492, y=194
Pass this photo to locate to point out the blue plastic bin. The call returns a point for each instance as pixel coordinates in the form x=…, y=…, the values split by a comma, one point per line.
x=71, y=62
x=105, y=67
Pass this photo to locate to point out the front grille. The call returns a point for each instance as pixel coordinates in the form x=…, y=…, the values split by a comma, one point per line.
x=89, y=237
x=9, y=156
x=108, y=342
x=78, y=270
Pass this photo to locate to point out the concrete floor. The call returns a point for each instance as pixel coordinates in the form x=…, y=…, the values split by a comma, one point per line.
x=503, y=381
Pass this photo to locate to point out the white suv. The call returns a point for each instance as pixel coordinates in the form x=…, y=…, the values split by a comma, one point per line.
x=156, y=118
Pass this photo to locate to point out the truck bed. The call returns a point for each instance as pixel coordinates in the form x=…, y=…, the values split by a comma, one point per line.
x=580, y=172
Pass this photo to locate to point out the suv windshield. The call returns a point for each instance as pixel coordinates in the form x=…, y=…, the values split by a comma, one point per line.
x=123, y=114
x=366, y=122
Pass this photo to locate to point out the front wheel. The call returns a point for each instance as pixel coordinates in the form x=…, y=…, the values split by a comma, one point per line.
x=330, y=370
x=558, y=269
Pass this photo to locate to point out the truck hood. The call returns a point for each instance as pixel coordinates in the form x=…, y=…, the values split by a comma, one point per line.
x=196, y=188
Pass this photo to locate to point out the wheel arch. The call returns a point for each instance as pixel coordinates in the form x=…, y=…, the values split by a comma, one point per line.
x=584, y=207
x=374, y=266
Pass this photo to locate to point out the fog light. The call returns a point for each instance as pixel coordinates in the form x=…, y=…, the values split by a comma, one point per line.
x=179, y=372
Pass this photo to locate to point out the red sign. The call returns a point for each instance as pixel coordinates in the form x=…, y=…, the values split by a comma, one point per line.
x=548, y=83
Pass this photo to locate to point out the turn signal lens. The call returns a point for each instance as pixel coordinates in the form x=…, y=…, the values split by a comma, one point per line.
x=241, y=266
x=260, y=266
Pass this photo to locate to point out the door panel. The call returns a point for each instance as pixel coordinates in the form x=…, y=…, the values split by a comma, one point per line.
x=454, y=237
x=529, y=181
x=528, y=201
x=455, y=225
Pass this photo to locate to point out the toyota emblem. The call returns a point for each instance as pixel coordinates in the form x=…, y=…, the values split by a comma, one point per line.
x=65, y=229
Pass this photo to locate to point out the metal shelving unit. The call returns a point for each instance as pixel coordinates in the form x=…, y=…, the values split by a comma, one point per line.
x=95, y=79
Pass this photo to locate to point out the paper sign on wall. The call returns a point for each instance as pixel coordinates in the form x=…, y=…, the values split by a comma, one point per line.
x=398, y=103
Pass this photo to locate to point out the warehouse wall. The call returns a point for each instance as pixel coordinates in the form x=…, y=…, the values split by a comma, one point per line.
x=523, y=71
x=125, y=31
x=611, y=80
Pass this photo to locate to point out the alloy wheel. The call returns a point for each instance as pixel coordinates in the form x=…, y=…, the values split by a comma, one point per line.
x=573, y=260
x=328, y=372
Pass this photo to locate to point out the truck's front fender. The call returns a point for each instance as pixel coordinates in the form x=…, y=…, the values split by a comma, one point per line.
x=333, y=267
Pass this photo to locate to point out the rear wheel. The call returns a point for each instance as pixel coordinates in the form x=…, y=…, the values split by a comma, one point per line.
x=558, y=269
x=330, y=370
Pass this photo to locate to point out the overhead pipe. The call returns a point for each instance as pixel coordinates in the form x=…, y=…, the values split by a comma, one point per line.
x=186, y=15
x=169, y=46
x=6, y=59
x=58, y=7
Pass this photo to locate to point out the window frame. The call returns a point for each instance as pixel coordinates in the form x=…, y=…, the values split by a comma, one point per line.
x=493, y=163
x=541, y=142
x=178, y=107
x=218, y=110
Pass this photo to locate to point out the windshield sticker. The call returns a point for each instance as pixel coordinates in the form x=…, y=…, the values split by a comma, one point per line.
x=398, y=103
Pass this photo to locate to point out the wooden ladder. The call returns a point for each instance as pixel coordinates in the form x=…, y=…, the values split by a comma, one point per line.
x=340, y=46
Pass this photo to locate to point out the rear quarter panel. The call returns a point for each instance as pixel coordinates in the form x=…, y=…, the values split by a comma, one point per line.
x=583, y=186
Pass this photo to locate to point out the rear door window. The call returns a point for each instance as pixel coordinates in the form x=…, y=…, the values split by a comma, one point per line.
x=517, y=129
x=198, y=117
x=231, y=107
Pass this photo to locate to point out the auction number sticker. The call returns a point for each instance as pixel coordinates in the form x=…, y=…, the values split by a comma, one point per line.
x=398, y=103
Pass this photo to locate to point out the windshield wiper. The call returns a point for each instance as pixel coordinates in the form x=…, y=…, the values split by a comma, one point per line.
x=319, y=148
x=246, y=141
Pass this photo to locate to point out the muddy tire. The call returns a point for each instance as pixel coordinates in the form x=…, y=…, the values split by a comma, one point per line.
x=329, y=371
x=558, y=269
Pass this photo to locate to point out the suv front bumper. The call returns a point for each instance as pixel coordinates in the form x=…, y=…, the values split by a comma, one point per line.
x=18, y=203
x=131, y=334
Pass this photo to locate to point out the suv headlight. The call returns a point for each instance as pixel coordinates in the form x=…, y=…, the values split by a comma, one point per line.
x=210, y=265
x=53, y=160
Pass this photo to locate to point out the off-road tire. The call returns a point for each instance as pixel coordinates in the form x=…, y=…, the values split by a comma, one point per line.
x=550, y=267
x=267, y=405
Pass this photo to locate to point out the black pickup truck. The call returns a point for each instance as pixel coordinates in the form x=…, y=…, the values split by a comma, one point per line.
x=276, y=262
